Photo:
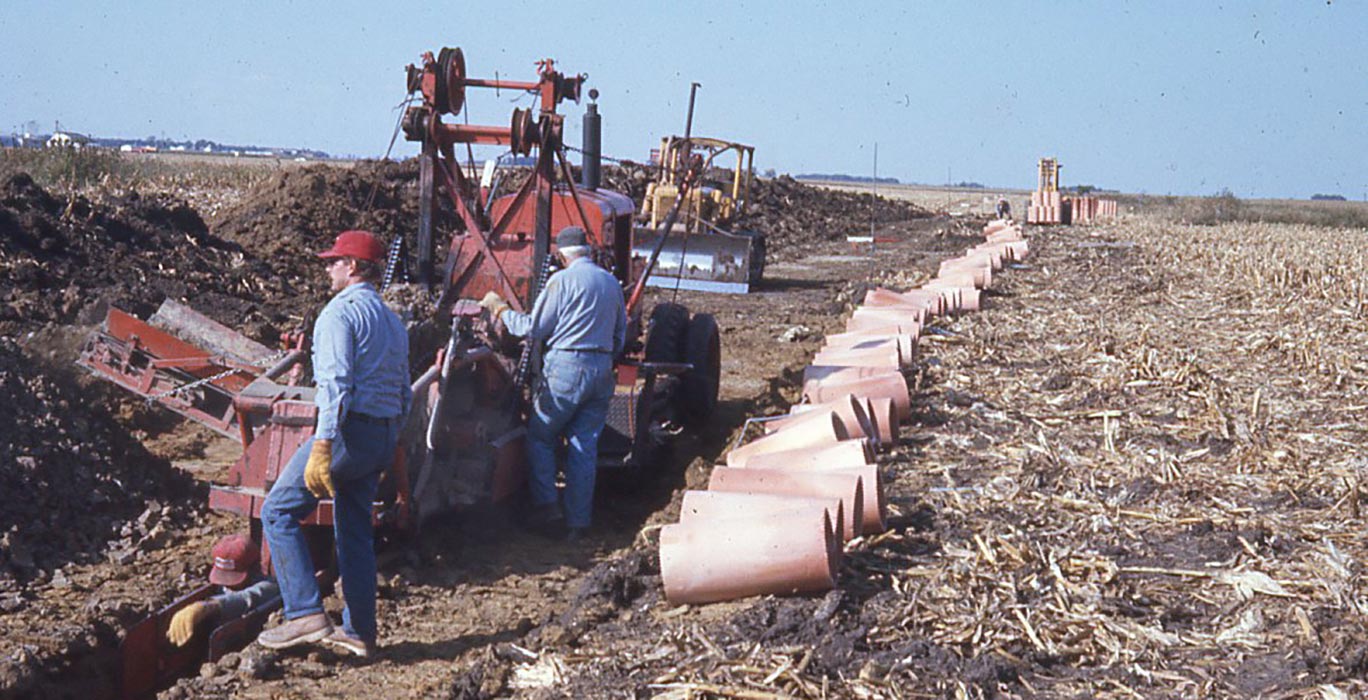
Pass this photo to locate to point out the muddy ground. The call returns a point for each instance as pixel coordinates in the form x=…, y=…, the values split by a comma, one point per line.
x=1122, y=480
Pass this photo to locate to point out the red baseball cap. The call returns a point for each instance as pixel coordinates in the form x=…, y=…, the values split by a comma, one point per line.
x=362, y=245
x=234, y=557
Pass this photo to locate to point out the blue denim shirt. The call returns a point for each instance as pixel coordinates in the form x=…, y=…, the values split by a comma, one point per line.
x=360, y=360
x=581, y=309
x=235, y=604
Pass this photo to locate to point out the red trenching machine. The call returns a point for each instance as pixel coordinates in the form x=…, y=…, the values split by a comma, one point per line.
x=503, y=242
x=463, y=443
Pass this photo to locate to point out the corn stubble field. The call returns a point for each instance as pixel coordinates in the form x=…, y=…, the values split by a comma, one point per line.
x=1136, y=473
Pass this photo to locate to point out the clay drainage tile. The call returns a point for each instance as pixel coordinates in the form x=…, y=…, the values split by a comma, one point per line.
x=844, y=454
x=967, y=273
x=885, y=418
x=851, y=410
x=843, y=373
x=872, y=492
x=774, y=424
x=715, y=559
x=847, y=485
x=906, y=344
x=876, y=316
x=820, y=430
x=875, y=357
x=872, y=517
x=717, y=505
x=892, y=386
x=883, y=298
x=950, y=291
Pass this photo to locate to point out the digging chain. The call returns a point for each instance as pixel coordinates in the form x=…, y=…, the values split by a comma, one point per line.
x=525, y=359
x=395, y=270
x=619, y=161
x=176, y=390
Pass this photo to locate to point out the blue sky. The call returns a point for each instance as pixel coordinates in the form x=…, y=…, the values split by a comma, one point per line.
x=1266, y=99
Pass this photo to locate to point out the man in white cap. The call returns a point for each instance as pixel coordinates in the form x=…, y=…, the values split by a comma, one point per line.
x=581, y=316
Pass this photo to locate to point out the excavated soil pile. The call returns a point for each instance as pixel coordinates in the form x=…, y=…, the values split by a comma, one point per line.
x=76, y=484
x=63, y=259
x=294, y=214
x=794, y=217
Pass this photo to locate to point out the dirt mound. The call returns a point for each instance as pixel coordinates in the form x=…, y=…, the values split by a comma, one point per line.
x=794, y=216
x=60, y=257
x=74, y=480
x=296, y=213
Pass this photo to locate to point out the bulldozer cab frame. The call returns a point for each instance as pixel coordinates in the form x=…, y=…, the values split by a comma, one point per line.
x=717, y=200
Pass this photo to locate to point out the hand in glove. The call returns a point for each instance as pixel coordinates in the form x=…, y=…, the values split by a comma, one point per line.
x=495, y=304
x=184, y=622
x=318, y=470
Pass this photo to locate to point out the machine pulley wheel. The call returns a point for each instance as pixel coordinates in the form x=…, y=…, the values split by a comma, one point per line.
x=451, y=75
x=524, y=132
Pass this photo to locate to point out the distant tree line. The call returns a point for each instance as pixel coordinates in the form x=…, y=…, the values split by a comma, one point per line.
x=837, y=177
x=1327, y=198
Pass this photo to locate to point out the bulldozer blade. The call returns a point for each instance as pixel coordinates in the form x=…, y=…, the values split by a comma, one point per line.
x=706, y=262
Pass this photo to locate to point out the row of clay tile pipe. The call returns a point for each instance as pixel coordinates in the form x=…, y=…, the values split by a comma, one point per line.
x=776, y=517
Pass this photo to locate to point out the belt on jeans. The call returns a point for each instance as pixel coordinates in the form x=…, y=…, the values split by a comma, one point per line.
x=584, y=350
x=364, y=418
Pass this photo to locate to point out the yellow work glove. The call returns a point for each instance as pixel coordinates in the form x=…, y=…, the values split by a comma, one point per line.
x=318, y=471
x=185, y=620
x=495, y=304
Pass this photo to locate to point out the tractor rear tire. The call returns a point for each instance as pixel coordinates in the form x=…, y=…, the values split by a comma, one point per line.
x=666, y=333
x=699, y=386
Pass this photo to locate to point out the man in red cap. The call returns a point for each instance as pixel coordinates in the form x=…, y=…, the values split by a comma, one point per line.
x=235, y=563
x=360, y=366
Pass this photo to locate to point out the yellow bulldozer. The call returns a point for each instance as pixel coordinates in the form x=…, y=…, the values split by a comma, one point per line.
x=702, y=251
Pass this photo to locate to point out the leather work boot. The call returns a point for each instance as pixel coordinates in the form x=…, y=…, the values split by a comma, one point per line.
x=355, y=646
x=301, y=630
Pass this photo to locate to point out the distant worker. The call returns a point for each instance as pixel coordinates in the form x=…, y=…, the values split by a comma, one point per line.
x=360, y=364
x=581, y=317
x=1004, y=208
x=234, y=568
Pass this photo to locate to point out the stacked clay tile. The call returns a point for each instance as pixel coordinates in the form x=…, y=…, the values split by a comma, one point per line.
x=1047, y=207
x=775, y=517
x=1087, y=210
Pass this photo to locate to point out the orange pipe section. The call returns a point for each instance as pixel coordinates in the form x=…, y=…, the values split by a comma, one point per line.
x=709, y=560
x=849, y=409
x=716, y=505
x=826, y=430
x=846, y=453
x=891, y=386
x=849, y=487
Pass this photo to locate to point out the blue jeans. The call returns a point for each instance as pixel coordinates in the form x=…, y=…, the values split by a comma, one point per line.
x=571, y=402
x=360, y=454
